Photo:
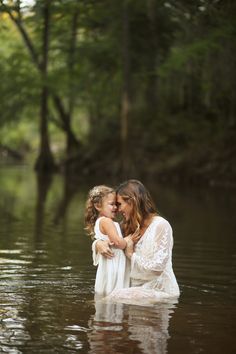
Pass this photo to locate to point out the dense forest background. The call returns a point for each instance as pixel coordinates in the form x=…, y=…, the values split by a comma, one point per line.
x=130, y=87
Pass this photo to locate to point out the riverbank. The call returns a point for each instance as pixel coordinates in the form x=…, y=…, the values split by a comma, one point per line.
x=208, y=166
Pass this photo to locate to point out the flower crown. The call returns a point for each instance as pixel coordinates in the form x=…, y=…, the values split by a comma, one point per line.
x=100, y=191
x=95, y=192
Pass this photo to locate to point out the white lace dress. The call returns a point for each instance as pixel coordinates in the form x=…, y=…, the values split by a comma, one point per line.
x=111, y=273
x=152, y=276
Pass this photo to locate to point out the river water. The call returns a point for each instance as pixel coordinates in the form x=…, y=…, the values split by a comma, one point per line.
x=47, y=277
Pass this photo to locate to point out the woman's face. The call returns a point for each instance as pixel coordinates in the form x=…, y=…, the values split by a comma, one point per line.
x=124, y=207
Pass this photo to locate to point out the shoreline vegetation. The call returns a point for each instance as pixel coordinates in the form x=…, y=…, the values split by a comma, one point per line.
x=215, y=170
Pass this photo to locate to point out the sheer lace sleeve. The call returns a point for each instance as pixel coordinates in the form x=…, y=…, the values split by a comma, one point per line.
x=155, y=256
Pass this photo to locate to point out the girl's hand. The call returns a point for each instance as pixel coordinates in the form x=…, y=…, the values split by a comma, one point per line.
x=103, y=248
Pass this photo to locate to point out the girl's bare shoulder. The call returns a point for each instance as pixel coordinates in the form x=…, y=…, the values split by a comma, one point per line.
x=104, y=220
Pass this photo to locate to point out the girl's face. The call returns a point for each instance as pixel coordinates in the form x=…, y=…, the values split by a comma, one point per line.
x=124, y=207
x=108, y=207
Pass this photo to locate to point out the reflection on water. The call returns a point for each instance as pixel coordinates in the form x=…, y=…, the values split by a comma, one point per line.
x=47, y=277
x=115, y=326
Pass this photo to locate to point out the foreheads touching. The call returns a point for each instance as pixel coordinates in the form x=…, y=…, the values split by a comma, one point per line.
x=131, y=198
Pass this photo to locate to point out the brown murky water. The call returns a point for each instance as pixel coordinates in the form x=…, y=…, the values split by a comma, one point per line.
x=47, y=277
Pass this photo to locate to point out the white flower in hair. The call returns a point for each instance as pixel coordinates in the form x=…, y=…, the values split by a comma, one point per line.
x=95, y=192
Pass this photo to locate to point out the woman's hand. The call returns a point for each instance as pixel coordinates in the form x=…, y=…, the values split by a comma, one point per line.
x=129, y=250
x=103, y=247
x=136, y=235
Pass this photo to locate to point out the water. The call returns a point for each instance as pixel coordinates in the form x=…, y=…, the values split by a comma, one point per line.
x=47, y=277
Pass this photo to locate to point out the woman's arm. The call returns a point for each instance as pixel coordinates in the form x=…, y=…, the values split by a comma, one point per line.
x=101, y=247
x=107, y=227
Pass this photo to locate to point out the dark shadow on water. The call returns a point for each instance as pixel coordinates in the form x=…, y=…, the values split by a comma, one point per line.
x=71, y=186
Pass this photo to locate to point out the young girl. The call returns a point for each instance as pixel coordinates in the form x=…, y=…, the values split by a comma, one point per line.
x=99, y=214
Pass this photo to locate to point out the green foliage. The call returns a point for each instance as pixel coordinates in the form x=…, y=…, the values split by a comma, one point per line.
x=178, y=56
x=19, y=88
x=19, y=135
x=196, y=50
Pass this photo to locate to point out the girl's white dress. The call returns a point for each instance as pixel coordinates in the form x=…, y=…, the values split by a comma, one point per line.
x=112, y=274
x=152, y=277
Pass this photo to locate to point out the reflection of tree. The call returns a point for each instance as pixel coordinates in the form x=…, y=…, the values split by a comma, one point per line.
x=71, y=185
x=138, y=329
x=43, y=185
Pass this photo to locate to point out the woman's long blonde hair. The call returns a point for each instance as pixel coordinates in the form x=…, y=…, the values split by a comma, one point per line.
x=95, y=198
x=134, y=193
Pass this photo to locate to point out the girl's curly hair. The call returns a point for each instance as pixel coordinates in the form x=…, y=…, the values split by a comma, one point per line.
x=95, y=198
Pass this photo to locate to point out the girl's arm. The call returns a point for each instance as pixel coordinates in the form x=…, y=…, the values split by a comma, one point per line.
x=108, y=228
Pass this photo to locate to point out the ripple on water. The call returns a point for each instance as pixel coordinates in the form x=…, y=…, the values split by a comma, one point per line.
x=76, y=328
x=10, y=251
x=13, y=261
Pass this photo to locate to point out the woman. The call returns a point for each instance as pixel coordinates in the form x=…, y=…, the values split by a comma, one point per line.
x=152, y=276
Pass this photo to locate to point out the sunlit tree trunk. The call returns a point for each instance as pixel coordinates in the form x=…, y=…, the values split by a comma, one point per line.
x=45, y=161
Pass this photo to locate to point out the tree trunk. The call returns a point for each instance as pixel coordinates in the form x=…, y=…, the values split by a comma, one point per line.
x=72, y=142
x=73, y=145
x=45, y=161
x=151, y=92
x=126, y=96
x=71, y=63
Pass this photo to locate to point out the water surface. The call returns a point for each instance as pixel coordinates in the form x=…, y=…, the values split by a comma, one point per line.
x=47, y=277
